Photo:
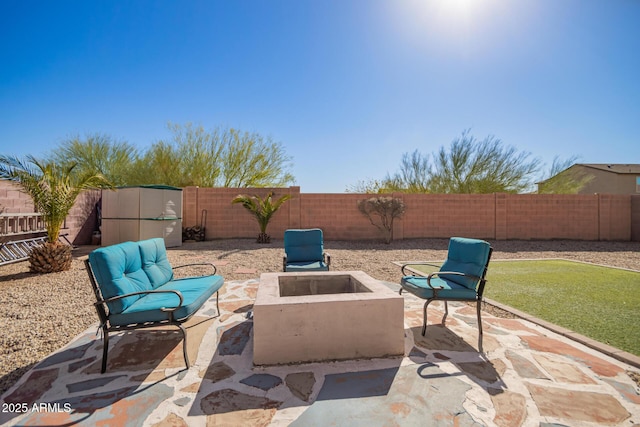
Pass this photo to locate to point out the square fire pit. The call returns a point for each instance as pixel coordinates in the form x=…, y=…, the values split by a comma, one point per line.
x=330, y=315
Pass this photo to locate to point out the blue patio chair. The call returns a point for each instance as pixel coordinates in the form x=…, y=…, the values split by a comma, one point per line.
x=304, y=251
x=460, y=278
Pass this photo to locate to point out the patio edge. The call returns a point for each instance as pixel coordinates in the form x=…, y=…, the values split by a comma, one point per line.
x=616, y=353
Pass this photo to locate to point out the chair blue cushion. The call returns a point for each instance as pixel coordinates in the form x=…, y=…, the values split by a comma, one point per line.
x=195, y=292
x=118, y=270
x=155, y=262
x=418, y=286
x=303, y=245
x=306, y=266
x=468, y=256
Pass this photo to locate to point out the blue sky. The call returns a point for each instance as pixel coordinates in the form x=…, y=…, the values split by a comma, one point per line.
x=346, y=86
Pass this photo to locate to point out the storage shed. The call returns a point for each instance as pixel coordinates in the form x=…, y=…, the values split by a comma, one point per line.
x=142, y=212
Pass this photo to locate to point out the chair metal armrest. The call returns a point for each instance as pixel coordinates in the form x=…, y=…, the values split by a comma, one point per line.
x=327, y=258
x=454, y=273
x=404, y=266
x=215, y=269
x=153, y=291
x=451, y=273
x=284, y=263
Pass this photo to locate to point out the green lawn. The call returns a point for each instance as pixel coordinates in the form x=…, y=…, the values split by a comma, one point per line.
x=598, y=302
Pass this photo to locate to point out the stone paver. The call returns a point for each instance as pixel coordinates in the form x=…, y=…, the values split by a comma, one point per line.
x=528, y=376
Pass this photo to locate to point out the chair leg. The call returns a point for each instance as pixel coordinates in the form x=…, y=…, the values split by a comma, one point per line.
x=479, y=327
x=184, y=345
x=105, y=349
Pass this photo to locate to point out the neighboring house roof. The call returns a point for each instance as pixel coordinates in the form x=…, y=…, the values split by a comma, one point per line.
x=611, y=167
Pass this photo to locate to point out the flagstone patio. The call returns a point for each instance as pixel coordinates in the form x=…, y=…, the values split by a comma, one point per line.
x=528, y=376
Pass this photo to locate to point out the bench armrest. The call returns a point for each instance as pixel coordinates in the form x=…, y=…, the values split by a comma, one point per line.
x=154, y=291
x=215, y=269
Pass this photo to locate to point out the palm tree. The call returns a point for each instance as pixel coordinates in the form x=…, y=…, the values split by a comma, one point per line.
x=262, y=209
x=54, y=190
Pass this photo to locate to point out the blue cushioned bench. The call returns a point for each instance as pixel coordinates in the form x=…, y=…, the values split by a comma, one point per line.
x=135, y=288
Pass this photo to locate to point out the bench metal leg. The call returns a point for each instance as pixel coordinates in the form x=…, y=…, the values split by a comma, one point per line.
x=184, y=345
x=105, y=349
x=424, y=316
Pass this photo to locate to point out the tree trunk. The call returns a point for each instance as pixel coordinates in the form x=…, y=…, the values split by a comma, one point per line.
x=264, y=238
x=50, y=258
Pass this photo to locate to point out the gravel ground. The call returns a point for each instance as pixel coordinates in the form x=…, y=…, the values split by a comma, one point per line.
x=41, y=313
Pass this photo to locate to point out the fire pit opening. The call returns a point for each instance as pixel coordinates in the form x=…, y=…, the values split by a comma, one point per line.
x=293, y=286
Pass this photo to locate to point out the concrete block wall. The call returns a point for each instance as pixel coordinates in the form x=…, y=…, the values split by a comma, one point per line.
x=227, y=220
x=543, y=216
x=80, y=223
x=490, y=216
x=13, y=200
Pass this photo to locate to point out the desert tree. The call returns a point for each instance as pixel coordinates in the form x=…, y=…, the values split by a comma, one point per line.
x=487, y=166
x=382, y=212
x=98, y=154
x=222, y=157
x=468, y=165
x=251, y=160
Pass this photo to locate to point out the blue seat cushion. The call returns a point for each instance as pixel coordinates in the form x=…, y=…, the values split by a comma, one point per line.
x=468, y=256
x=418, y=286
x=307, y=266
x=303, y=245
x=195, y=292
x=155, y=262
x=118, y=271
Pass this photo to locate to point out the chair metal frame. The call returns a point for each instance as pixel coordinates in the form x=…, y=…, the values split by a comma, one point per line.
x=479, y=292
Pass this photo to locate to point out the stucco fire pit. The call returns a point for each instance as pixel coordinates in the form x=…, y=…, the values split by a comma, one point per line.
x=307, y=317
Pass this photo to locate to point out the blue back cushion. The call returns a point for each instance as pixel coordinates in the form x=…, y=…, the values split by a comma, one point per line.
x=118, y=271
x=154, y=261
x=303, y=245
x=469, y=256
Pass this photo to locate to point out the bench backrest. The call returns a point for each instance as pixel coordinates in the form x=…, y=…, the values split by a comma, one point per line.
x=130, y=267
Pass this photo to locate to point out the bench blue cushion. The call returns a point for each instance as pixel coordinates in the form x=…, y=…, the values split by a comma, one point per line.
x=155, y=262
x=195, y=292
x=118, y=270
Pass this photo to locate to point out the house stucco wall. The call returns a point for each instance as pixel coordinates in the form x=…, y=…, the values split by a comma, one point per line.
x=605, y=182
